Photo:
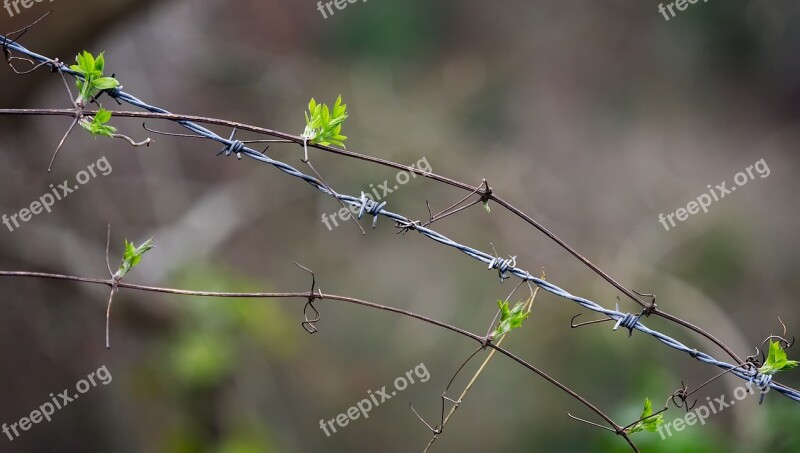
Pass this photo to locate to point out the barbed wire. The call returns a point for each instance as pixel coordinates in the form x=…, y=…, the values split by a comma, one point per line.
x=487, y=194
x=366, y=205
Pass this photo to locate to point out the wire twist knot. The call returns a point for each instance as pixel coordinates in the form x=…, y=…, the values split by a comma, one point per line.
x=502, y=265
x=233, y=146
x=762, y=382
x=628, y=321
x=370, y=207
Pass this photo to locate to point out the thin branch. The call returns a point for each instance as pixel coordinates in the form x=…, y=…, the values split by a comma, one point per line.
x=305, y=295
x=456, y=207
x=335, y=194
x=477, y=374
x=108, y=318
x=63, y=139
x=135, y=144
x=303, y=141
x=108, y=246
x=299, y=140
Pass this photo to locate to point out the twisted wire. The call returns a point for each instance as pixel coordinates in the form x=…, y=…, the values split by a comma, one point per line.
x=365, y=205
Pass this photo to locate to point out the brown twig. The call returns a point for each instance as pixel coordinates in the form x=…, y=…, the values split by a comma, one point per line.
x=474, y=379
x=648, y=307
x=112, y=283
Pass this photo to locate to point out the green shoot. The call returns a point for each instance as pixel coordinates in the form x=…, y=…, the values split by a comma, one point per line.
x=92, y=81
x=776, y=360
x=647, y=422
x=97, y=126
x=323, y=125
x=132, y=256
x=510, y=319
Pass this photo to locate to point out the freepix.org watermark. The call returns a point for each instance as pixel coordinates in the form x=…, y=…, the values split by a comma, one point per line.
x=46, y=410
x=329, y=5
x=680, y=5
x=376, y=194
x=12, y=6
x=363, y=407
x=717, y=193
x=57, y=193
x=713, y=407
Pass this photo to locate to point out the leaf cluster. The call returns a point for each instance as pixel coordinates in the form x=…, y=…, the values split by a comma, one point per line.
x=92, y=80
x=510, y=318
x=647, y=422
x=132, y=256
x=324, y=125
x=97, y=126
x=776, y=360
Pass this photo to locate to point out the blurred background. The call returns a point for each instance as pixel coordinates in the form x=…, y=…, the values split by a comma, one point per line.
x=593, y=117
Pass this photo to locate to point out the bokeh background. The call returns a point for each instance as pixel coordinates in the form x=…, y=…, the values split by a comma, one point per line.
x=592, y=116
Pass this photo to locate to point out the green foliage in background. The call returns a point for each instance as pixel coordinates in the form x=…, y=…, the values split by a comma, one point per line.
x=389, y=34
x=215, y=344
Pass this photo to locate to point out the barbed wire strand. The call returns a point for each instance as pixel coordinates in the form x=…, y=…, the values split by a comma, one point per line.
x=367, y=206
x=486, y=195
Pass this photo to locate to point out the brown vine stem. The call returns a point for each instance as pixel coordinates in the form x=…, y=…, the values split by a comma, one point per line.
x=319, y=295
x=474, y=379
x=487, y=193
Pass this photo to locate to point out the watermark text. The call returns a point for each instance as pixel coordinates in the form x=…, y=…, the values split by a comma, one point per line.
x=373, y=400
x=59, y=401
x=57, y=193
x=716, y=193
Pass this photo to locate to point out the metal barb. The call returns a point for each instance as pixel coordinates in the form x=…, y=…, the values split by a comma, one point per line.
x=596, y=321
x=19, y=34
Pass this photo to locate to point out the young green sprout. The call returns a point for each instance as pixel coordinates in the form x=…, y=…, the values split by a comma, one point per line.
x=647, y=422
x=776, y=360
x=510, y=319
x=97, y=126
x=130, y=258
x=324, y=125
x=92, y=80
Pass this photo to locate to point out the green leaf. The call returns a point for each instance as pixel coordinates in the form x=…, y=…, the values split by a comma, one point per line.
x=97, y=126
x=91, y=71
x=82, y=61
x=106, y=83
x=88, y=62
x=102, y=116
x=647, y=422
x=776, y=360
x=486, y=207
x=132, y=256
x=510, y=319
x=99, y=63
x=99, y=130
x=323, y=124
